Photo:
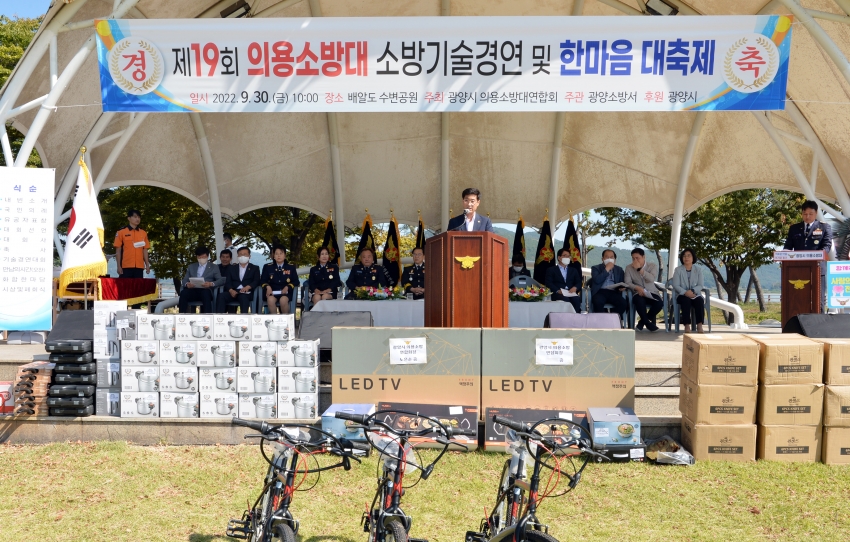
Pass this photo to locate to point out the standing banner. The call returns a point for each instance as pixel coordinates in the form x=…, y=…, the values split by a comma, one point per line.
x=405, y=64
x=838, y=285
x=26, y=256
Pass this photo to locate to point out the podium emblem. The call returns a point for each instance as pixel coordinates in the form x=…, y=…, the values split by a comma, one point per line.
x=798, y=284
x=467, y=262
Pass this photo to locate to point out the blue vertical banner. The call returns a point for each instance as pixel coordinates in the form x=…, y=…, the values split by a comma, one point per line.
x=838, y=285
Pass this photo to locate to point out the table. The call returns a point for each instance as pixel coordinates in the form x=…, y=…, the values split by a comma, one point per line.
x=532, y=314
x=135, y=291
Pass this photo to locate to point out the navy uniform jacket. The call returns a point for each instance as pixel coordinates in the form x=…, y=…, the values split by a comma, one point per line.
x=322, y=278
x=375, y=276
x=414, y=277
x=482, y=223
x=251, y=278
x=279, y=278
x=555, y=281
x=819, y=238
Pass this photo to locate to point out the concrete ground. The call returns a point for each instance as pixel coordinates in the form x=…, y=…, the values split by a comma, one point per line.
x=665, y=349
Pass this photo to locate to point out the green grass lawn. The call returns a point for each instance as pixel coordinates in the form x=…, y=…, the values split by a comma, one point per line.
x=114, y=491
x=751, y=313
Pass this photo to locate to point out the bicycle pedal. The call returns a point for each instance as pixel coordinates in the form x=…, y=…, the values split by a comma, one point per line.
x=237, y=528
x=472, y=536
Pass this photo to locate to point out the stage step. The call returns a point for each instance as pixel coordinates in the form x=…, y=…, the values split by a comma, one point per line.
x=656, y=400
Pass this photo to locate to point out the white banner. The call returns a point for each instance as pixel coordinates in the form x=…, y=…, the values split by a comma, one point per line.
x=408, y=351
x=405, y=64
x=26, y=251
x=554, y=351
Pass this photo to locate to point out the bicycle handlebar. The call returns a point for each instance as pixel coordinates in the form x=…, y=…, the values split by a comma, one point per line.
x=261, y=427
x=356, y=418
x=516, y=426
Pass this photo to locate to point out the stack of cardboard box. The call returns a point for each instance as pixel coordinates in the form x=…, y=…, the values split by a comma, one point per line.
x=790, y=397
x=718, y=396
x=836, y=416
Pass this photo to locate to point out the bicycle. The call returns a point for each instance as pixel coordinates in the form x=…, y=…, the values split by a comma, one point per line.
x=384, y=520
x=270, y=518
x=549, y=442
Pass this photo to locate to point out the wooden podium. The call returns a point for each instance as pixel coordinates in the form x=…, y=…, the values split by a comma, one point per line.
x=467, y=284
x=801, y=286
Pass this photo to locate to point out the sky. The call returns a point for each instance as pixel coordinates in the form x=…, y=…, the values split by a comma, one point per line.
x=24, y=8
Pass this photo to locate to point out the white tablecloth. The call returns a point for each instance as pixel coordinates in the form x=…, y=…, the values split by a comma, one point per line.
x=533, y=314
x=412, y=313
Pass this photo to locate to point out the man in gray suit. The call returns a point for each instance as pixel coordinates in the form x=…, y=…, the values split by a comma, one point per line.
x=470, y=220
x=197, y=290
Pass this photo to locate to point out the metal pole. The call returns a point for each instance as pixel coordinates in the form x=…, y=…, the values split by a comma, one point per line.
x=212, y=183
x=445, y=147
x=339, y=216
x=682, y=191
x=106, y=168
x=7, y=148
x=820, y=36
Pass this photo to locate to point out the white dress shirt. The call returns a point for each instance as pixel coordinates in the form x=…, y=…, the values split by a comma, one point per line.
x=470, y=222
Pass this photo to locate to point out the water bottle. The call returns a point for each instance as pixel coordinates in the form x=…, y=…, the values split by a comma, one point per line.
x=389, y=449
x=518, y=452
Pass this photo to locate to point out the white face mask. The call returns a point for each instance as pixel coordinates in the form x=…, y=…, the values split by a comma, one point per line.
x=243, y=259
x=609, y=260
x=203, y=261
x=565, y=261
x=517, y=268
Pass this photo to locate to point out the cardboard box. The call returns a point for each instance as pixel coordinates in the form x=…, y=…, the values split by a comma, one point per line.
x=132, y=376
x=258, y=405
x=793, y=443
x=282, y=326
x=629, y=453
x=836, y=406
x=7, y=403
x=836, y=361
x=719, y=442
x=232, y=327
x=789, y=359
x=613, y=426
x=728, y=360
x=460, y=416
x=494, y=433
x=297, y=406
x=179, y=405
x=306, y=352
x=105, y=312
x=340, y=428
x=797, y=404
x=219, y=405
x=257, y=380
x=139, y=353
x=836, y=445
x=178, y=353
x=216, y=354
x=108, y=374
x=178, y=379
x=297, y=380
x=139, y=405
x=105, y=343
x=253, y=352
x=107, y=402
x=217, y=380
x=155, y=327
x=718, y=405
x=126, y=323
x=193, y=327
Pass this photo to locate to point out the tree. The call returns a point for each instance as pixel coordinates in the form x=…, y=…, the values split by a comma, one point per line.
x=637, y=227
x=300, y=231
x=15, y=36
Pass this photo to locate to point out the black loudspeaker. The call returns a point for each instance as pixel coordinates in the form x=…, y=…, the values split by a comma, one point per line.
x=820, y=326
x=319, y=325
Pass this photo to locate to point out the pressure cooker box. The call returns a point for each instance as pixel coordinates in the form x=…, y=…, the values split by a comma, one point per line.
x=155, y=327
x=105, y=343
x=135, y=378
x=257, y=380
x=219, y=405
x=257, y=354
x=494, y=433
x=193, y=327
x=107, y=401
x=258, y=405
x=217, y=379
x=232, y=327
x=108, y=374
x=297, y=406
x=297, y=380
x=125, y=323
x=178, y=379
x=216, y=353
x=105, y=312
x=272, y=327
x=298, y=353
x=178, y=353
x=613, y=426
x=139, y=404
x=456, y=416
x=179, y=405
x=144, y=353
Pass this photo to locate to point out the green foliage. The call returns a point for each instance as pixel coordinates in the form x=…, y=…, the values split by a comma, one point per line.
x=15, y=36
x=300, y=231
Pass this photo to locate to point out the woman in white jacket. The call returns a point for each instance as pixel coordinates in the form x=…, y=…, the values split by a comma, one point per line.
x=687, y=286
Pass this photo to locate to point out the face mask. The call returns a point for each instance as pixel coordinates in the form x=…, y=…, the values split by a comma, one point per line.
x=244, y=259
x=609, y=260
x=517, y=268
x=565, y=261
x=203, y=261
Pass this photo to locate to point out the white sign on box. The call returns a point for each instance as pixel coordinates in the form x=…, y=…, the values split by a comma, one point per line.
x=554, y=351
x=408, y=351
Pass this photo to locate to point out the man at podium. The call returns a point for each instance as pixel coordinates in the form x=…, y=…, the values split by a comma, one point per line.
x=470, y=220
x=810, y=234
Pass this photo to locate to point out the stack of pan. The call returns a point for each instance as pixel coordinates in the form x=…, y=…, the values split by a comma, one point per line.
x=31, y=386
x=75, y=374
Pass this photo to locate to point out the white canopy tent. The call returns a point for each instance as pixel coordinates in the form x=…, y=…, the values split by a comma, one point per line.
x=665, y=164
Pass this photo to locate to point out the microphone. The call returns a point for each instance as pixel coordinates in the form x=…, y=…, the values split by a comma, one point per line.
x=466, y=212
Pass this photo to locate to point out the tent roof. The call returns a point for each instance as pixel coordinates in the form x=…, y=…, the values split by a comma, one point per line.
x=393, y=160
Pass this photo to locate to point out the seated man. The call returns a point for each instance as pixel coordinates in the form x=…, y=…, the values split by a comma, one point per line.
x=242, y=280
x=203, y=292
x=279, y=281
x=224, y=257
x=413, y=277
x=641, y=276
x=603, y=277
x=563, y=279
x=366, y=273
x=518, y=268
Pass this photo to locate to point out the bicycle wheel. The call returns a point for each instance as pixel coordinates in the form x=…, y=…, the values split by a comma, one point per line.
x=283, y=533
x=539, y=536
x=395, y=533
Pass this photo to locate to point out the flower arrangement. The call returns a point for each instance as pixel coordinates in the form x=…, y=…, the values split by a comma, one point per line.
x=530, y=294
x=369, y=293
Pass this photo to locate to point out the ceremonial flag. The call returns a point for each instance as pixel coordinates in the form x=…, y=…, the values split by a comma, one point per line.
x=330, y=241
x=84, y=258
x=366, y=239
x=519, y=239
x=545, y=255
x=392, y=255
x=420, y=235
x=571, y=243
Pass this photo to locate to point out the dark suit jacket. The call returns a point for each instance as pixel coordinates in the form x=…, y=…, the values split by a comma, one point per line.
x=211, y=274
x=797, y=239
x=482, y=223
x=252, y=277
x=524, y=273
x=598, y=274
x=555, y=281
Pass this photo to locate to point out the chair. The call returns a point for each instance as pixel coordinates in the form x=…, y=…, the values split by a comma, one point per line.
x=255, y=303
x=521, y=281
x=625, y=318
x=665, y=299
x=706, y=294
x=306, y=297
x=293, y=302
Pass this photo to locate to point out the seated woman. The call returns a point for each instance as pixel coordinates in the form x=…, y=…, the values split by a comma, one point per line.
x=324, y=277
x=366, y=273
x=687, y=287
x=518, y=268
x=279, y=280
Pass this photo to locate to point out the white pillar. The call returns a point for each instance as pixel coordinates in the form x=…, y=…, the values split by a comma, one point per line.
x=682, y=191
x=212, y=183
x=339, y=215
x=555, y=167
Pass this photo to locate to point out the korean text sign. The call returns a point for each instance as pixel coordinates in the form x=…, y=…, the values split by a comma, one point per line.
x=838, y=285
x=412, y=351
x=405, y=64
x=26, y=251
x=553, y=351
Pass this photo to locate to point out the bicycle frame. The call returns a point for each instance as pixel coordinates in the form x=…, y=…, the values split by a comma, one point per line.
x=278, y=487
x=516, y=531
x=389, y=492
